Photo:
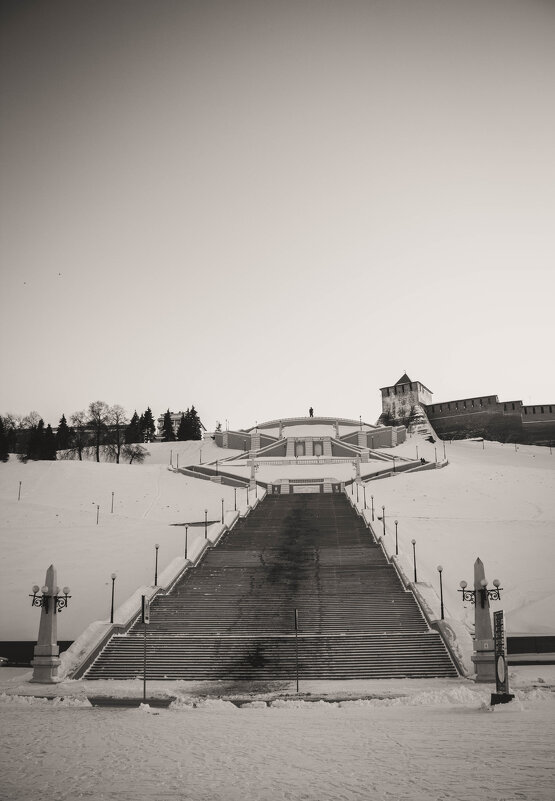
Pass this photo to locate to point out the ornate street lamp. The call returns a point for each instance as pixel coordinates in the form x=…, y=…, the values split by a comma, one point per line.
x=206, y=524
x=396, y=539
x=440, y=571
x=235, y=498
x=414, y=559
x=222, y=511
x=470, y=595
x=383, y=519
x=372, y=501
x=46, y=652
x=113, y=577
x=186, y=537
x=50, y=598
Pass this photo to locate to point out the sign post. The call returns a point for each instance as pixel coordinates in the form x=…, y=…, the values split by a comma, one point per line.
x=501, y=694
x=146, y=621
x=297, y=647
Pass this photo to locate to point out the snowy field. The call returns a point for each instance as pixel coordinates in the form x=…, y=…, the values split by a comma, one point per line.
x=430, y=741
x=55, y=522
x=391, y=740
x=491, y=501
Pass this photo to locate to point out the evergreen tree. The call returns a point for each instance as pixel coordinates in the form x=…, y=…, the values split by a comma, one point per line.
x=167, y=428
x=148, y=426
x=183, y=430
x=48, y=444
x=194, y=422
x=35, y=441
x=133, y=432
x=63, y=435
x=4, y=446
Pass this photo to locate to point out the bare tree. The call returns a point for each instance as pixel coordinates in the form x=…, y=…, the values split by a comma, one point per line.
x=31, y=420
x=116, y=421
x=79, y=437
x=134, y=452
x=98, y=416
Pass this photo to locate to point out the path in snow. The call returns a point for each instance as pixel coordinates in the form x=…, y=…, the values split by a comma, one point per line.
x=448, y=751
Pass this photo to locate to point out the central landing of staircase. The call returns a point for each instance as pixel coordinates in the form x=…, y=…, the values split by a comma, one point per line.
x=233, y=617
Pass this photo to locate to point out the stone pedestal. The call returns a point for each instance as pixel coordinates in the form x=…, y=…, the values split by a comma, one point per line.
x=484, y=661
x=46, y=654
x=484, y=651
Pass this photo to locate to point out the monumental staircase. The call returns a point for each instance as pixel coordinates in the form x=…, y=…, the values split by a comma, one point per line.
x=233, y=616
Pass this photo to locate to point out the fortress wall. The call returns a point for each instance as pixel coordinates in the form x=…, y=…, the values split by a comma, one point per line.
x=485, y=416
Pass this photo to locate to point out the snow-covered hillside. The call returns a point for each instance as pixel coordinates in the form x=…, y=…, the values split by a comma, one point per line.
x=55, y=522
x=491, y=501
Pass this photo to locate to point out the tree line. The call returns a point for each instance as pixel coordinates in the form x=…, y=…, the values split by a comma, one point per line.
x=189, y=427
x=99, y=429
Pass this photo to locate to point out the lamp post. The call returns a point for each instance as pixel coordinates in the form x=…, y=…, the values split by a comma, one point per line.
x=417, y=453
x=222, y=511
x=46, y=653
x=414, y=559
x=186, y=537
x=357, y=492
x=484, y=656
x=156, y=566
x=206, y=524
x=396, y=539
x=247, y=496
x=383, y=519
x=394, y=464
x=50, y=599
x=112, y=509
x=113, y=577
x=235, y=498
x=440, y=571
x=364, y=494
x=372, y=501
x=491, y=595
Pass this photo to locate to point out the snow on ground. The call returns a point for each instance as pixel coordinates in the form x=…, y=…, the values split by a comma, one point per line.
x=390, y=740
x=55, y=522
x=492, y=502
x=304, y=467
x=344, y=471
x=440, y=740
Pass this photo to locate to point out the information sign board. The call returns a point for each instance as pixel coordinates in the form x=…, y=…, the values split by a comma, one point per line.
x=501, y=673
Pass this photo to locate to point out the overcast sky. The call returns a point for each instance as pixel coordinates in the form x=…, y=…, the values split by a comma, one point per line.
x=255, y=207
